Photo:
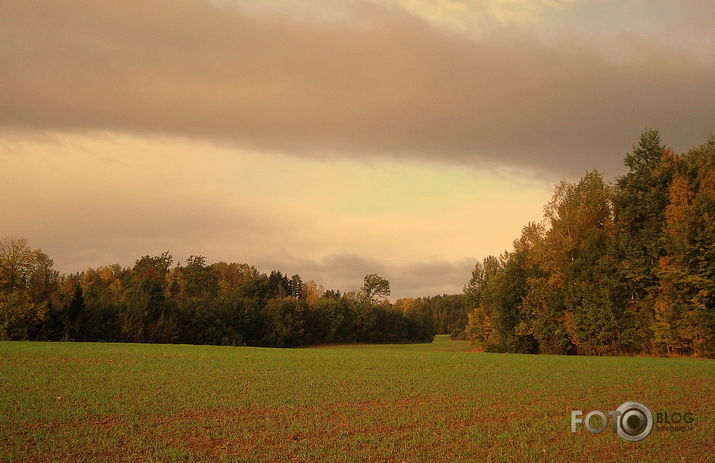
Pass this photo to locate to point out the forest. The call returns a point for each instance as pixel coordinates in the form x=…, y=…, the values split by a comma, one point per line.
x=621, y=268
x=192, y=303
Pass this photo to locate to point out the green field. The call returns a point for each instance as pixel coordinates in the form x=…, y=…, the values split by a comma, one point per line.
x=417, y=403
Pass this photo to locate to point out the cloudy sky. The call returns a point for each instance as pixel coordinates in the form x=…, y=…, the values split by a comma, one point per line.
x=329, y=138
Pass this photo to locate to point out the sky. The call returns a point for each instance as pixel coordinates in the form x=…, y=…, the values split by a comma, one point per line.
x=408, y=138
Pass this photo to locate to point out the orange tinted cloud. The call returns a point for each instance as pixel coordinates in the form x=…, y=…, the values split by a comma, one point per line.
x=377, y=82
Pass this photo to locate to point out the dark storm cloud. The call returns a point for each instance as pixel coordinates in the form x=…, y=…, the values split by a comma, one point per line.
x=379, y=83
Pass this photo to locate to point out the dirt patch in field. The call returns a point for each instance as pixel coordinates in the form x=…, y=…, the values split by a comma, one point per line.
x=108, y=423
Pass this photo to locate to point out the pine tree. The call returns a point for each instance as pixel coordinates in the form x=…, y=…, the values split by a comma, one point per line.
x=640, y=202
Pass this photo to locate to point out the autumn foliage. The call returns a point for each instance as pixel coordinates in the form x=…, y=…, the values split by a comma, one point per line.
x=615, y=268
x=196, y=303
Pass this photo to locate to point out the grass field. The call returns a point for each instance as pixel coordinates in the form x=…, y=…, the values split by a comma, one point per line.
x=417, y=403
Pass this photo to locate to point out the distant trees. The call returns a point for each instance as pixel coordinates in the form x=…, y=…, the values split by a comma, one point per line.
x=445, y=314
x=284, y=319
x=193, y=302
x=620, y=268
x=375, y=287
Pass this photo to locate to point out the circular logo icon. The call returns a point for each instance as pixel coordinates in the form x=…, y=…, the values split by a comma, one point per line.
x=635, y=421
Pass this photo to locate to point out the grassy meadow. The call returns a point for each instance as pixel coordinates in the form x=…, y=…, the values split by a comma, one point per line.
x=436, y=402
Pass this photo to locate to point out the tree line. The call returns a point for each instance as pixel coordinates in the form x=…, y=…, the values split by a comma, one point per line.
x=445, y=314
x=195, y=303
x=626, y=267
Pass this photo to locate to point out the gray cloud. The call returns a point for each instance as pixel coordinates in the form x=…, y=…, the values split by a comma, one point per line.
x=407, y=279
x=82, y=232
x=382, y=83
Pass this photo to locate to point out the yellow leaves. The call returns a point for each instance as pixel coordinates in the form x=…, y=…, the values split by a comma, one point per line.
x=479, y=329
x=680, y=208
x=18, y=315
x=107, y=275
x=312, y=292
x=523, y=329
x=404, y=305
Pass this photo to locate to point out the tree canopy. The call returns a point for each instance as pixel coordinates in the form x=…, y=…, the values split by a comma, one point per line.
x=615, y=268
x=191, y=302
